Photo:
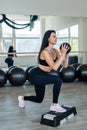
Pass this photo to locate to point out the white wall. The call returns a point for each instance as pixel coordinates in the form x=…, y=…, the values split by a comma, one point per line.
x=58, y=23
x=44, y=7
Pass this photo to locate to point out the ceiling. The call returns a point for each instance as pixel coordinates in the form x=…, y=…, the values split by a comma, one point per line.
x=74, y=8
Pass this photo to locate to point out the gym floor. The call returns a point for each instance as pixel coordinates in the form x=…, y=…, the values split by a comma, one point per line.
x=14, y=118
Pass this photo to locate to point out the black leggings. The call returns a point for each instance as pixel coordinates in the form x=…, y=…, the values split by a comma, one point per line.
x=9, y=61
x=40, y=79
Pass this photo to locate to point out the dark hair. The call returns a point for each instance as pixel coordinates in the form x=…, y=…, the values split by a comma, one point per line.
x=10, y=49
x=45, y=42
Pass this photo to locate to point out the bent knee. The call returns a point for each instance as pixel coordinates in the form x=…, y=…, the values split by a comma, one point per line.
x=40, y=100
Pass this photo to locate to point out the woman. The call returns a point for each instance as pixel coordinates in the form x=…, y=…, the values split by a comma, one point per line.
x=9, y=60
x=48, y=59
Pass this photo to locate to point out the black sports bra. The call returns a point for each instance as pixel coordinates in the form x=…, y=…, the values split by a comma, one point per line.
x=43, y=62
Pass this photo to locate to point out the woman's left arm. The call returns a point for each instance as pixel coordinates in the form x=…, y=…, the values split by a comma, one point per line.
x=66, y=61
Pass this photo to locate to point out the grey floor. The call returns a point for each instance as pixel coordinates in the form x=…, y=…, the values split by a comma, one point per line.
x=14, y=118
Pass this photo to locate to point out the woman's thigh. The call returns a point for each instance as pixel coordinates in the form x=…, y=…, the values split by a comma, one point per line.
x=38, y=77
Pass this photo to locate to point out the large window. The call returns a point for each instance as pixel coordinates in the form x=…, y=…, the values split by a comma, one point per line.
x=23, y=40
x=69, y=35
x=28, y=41
x=74, y=37
x=62, y=37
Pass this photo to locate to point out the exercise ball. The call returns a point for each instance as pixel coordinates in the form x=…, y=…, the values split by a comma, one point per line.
x=76, y=67
x=17, y=76
x=67, y=45
x=68, y=74
x=30, y=71
x=27, y=71
x=11, y=67
x=3, y=78
x=82, y=72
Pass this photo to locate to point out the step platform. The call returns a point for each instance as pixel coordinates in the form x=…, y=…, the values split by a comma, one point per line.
x=55, y=119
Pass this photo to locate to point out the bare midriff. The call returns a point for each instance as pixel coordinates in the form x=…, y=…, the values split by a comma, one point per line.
x=45, y=68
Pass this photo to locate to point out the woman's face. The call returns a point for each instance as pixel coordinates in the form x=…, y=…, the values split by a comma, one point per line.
x=52, y=39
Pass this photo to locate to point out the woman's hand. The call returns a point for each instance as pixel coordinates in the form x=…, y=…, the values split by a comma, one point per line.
x=66, y=46
x=64, y=49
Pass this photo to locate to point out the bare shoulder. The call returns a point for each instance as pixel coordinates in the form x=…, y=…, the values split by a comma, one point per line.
x=44, y=53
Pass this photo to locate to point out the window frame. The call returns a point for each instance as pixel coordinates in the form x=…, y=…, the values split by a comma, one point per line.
x=14, y=38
